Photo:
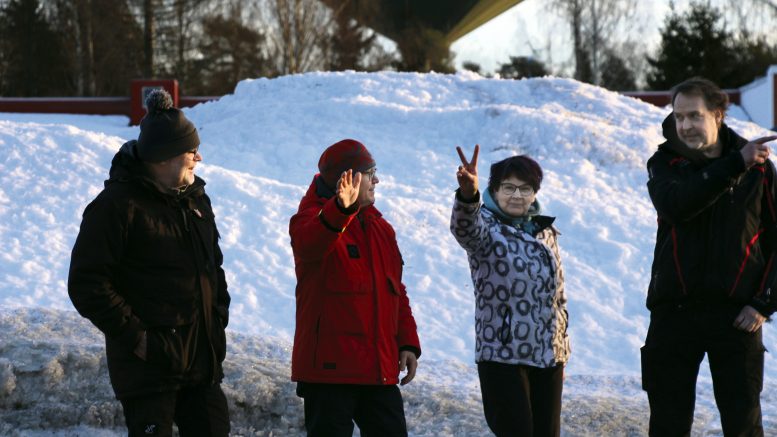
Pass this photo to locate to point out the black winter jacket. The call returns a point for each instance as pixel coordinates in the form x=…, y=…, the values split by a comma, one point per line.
x=147, y=259
x=716, y=226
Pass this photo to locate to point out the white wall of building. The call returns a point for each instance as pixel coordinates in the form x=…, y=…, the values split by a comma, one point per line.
x=758, y=99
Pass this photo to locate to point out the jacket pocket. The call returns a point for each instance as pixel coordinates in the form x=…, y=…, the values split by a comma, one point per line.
x=338, y=352
x=394, y=286
x=165, y=349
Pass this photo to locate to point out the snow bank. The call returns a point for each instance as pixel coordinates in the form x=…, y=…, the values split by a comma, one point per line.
x=54, y=382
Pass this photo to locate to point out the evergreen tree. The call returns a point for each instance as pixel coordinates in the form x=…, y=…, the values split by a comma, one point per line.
x=754, y=56
x=616, y=75
x=693, y=44
x=33, y=64
x=697, y=44
x=472, y=66
x=103, y=43
x=118, y=44
x=424, y=50
x=522, y=66
x=231, y=51
x=350, y=43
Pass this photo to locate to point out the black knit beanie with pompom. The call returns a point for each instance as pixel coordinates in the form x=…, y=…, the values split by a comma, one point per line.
x=164, y=132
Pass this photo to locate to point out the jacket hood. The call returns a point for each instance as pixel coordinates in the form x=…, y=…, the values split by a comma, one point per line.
x=126, y=166
x=728, y=138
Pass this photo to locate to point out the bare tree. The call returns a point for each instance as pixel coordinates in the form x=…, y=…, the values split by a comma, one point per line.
x=185, y=30
x=769, y=4
x=301, y=29
x=754, y=18
x=572, y=11
x=85, y=46
x=148, y=38
x=74, y=20
x=593, y=25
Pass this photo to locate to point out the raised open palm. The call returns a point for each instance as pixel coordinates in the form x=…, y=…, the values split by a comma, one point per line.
x=347, y=190
x=467, y=174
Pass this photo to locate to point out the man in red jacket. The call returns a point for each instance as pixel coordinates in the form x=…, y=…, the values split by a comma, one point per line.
x=355, y=331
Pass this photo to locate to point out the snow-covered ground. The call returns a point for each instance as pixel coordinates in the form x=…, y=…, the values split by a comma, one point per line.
x=261, y=146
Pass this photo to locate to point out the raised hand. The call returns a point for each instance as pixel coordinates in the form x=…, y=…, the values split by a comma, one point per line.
x=347, y=190
x=756, y=152
x=467, y=174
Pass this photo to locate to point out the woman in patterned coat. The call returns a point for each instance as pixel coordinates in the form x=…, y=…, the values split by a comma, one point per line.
x=520, y=315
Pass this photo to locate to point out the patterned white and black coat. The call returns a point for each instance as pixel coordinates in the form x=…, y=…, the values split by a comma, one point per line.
x=520, y=314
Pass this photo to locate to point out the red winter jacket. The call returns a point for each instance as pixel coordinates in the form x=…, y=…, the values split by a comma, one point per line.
x=353, y=314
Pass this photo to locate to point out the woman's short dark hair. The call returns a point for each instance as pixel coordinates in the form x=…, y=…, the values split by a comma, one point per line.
x=714, y=97
x=522, y=167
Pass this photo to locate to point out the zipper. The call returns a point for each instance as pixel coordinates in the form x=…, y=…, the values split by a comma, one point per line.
x=505, y=332
x=185, y=220
x=205, y=307
x=376, y=312
x=676, y=257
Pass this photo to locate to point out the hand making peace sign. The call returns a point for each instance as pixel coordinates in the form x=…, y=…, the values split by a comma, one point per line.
x=467, y=174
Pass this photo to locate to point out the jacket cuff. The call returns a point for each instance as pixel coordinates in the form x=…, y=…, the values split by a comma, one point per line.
x=762, y=306
x=351, y=210
x=462, y=199
x=412, y=349
x=335, y=218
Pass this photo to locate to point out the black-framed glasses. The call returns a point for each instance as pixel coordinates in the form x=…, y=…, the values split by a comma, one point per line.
x=510, y=189
x=370, y=173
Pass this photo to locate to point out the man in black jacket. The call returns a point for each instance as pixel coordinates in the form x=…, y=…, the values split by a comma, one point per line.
x=146, y=270
x=714, y=265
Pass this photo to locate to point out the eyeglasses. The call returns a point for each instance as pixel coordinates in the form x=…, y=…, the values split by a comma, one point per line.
x=194, y=151
x=510, y=189
x=370, y=174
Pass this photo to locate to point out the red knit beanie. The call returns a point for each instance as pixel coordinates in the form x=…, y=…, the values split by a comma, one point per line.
x=342, y=156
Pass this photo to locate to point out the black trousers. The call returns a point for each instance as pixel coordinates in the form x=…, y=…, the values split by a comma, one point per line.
x=198, y=411
x=521, y=401
x=676, y=342
x=332, y=409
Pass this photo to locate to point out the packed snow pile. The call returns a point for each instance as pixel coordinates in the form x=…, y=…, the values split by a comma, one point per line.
x=261, y=146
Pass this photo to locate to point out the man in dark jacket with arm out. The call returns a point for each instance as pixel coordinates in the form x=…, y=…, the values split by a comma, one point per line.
x=146, y=270
x=713, y=274
x=355, y=331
